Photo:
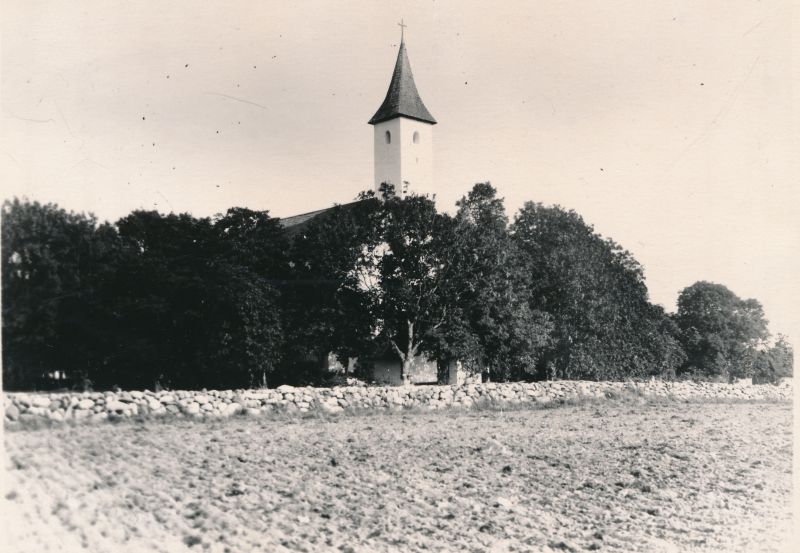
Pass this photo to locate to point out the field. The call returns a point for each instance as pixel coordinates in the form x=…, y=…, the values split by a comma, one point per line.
x=613, y=476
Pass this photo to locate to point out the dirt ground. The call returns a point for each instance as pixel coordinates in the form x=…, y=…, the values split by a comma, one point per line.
x=609, y=477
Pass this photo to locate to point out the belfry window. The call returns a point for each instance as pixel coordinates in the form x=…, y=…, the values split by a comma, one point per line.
x=415, y=138
x=388, y=137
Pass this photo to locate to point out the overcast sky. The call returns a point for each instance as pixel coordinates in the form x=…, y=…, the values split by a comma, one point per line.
x=667, y=125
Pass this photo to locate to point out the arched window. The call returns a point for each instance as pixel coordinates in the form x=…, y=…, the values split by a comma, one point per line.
x=388, y=137
x=416, y=137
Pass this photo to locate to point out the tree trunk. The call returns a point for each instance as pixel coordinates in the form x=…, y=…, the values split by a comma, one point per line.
x=407, y=358
x=405, y=372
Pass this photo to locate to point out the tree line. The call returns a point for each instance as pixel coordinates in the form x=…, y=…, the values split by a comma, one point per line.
x=238, y=300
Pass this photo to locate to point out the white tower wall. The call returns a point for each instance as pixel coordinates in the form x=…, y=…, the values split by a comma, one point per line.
x=403, y=161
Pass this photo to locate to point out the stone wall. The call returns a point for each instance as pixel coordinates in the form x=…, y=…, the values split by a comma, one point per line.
x=95, y=406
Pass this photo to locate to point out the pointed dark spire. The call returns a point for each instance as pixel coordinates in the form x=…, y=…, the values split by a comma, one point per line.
x=402, y=97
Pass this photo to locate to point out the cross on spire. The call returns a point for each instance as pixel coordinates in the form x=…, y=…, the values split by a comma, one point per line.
x=402, y=28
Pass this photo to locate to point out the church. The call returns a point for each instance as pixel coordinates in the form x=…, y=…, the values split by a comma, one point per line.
x=403, y=157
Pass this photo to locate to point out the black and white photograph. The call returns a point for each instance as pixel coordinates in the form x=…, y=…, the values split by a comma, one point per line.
x=413, y=276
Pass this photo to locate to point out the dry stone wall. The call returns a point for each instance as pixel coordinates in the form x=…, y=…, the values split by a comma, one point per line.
x=98, y=406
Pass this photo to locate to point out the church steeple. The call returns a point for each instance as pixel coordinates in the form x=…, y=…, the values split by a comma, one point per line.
x=402, y=97
x=403, y=134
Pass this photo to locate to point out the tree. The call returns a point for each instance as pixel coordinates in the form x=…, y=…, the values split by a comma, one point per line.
x=54, y=266
x=155, y=300
x=195, y=310
x=246, y=330
x=414, y=262
x=775, y=362
x=160, y=296
x=327, y=301
x=604, y=326
x=253, y=266
x=496, y=329
x=719, y=331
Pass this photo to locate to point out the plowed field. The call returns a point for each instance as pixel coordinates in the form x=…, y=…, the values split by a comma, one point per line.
x=611, y=476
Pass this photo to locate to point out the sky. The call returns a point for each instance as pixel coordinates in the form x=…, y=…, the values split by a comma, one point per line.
x=667, y=125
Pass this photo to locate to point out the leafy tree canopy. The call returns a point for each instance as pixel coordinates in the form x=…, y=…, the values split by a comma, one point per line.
x=718, y=329
x=53, y=263
x=156, y=299
x=234, y=301
x=594, y=290
x=495, y=329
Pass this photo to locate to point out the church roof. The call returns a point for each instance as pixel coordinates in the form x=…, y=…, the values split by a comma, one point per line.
x=297, y=224
x=402, y=97
x=295, y=220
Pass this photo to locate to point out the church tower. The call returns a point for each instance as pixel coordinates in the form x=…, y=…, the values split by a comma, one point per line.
x=403, y=129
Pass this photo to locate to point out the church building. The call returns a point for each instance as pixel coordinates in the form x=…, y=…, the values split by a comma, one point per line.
x=403, y=157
